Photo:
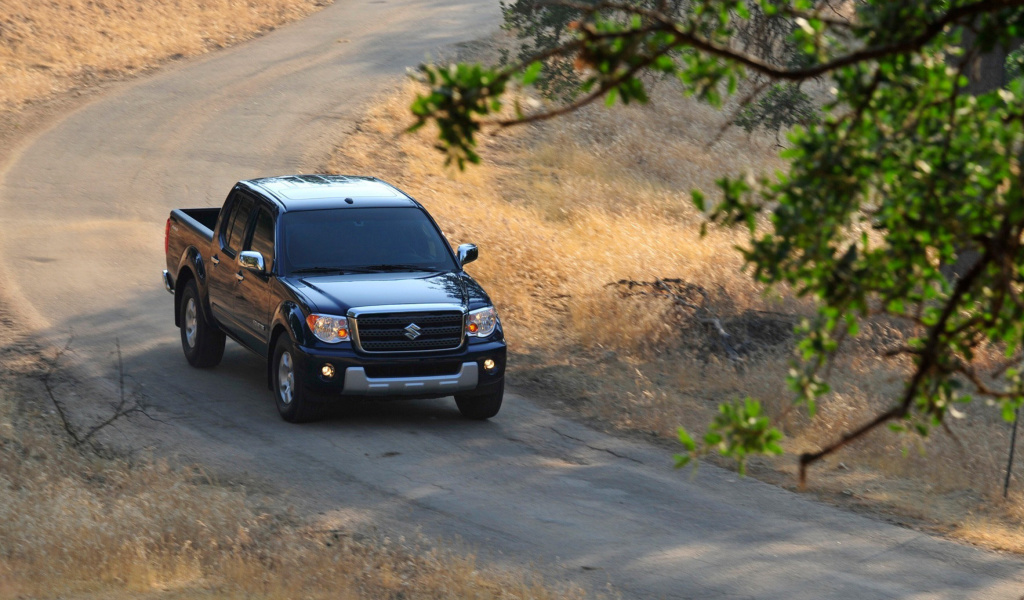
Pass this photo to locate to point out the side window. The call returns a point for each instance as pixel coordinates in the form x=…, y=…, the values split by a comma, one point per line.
x=263, y=237
x=231, y=205
x=236, y=225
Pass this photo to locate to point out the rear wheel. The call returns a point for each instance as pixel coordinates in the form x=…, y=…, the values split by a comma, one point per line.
x=481, y=405
x=202, y=343
x=294, y=401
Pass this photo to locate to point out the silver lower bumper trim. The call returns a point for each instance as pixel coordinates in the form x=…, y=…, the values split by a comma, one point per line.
x=358, y=384
x=167, y=282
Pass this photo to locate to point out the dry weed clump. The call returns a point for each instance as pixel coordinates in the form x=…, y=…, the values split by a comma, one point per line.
x=563, y=211
x=50, y=47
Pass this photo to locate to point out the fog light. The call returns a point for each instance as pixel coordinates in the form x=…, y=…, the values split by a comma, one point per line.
x=488, y=365
x=327, y=371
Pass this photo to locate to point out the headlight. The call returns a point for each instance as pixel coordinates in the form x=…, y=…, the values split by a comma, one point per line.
x=482, y=322
x=328, y=328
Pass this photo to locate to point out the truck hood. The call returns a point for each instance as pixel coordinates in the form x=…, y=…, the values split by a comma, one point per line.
x=336, y=294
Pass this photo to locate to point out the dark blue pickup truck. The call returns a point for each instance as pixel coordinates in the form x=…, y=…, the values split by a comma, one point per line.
x=344, y=285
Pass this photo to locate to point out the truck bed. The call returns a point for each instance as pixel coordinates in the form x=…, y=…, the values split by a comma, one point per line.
x=199, y=219
x=188, y=227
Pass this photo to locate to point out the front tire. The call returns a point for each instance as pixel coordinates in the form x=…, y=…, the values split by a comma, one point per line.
x=481, y=405
x=201, y=341
x=294, y=403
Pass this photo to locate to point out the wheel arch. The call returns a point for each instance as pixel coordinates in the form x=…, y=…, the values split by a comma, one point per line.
x=191, y=268
x=184, y=277
x=288, y=320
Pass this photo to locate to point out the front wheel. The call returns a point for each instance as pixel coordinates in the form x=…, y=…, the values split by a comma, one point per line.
x=293, y=399
x=481, y=405
x=201, y=341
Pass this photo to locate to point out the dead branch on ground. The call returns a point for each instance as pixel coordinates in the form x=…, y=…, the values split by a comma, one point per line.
x=125, y=407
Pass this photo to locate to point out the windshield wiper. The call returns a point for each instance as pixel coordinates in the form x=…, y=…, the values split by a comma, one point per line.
x=328, y=270
x=400, y=267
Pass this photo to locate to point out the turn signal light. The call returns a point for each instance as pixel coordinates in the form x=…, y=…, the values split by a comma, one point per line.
x=481, y=322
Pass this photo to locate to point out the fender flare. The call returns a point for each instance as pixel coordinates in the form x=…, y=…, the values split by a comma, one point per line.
x=192, y=261
x=288, y=320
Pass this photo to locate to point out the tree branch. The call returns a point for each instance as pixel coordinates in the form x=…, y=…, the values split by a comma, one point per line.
x=600, y=91
x=688, y=37
x=927, y=358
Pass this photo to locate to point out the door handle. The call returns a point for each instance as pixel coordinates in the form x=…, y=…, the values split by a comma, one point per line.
x=240, y=276
x=215, y=260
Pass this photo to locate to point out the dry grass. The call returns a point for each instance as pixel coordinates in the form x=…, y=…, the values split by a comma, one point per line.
x=565, y=221
x=50, y=47
x=560, y=211
x=73, y=524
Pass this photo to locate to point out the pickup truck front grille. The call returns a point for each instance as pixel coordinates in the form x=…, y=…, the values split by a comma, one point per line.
x=431, y=331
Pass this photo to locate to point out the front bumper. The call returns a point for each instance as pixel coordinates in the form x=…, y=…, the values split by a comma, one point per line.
x=357, y=383
x=432, y=376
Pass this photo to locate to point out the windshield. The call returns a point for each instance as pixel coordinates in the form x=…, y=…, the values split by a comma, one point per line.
x=362, y=240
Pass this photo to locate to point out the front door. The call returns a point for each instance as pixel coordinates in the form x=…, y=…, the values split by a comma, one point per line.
x=254, y=305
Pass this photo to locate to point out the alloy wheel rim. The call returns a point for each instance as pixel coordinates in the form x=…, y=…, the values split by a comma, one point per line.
x=285, y=378
x=191, y=322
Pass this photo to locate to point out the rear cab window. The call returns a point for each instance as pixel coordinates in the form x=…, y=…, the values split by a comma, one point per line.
x=234, y=227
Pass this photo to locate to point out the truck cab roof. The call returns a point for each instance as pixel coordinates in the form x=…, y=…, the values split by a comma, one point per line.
x=315, y=192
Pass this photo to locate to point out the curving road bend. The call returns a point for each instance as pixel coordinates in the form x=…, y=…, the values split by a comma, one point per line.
x=82, y=209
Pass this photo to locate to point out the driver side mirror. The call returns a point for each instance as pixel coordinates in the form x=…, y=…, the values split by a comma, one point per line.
x=467, y=254
x=253, y=261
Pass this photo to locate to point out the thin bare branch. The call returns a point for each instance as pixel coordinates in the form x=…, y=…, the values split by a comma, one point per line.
x=121, y=409
x=743, y=104
x=592, y=96
x=45, y=378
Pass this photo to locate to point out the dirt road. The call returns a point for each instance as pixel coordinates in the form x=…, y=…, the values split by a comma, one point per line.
x=82, y=209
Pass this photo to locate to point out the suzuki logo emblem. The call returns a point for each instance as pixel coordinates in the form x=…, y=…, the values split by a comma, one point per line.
x=412, y=331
